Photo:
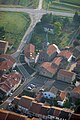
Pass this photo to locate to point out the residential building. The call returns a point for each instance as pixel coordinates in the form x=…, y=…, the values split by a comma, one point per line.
x=66, y=54
x=29, y=52
x=6, y=62
x=75, y=93
x=66, y=76
x=48, y=54
x=3, y=46
x=44, y=112
x=48, y=69
x=76, y=51
x=9, y=82
x=25, y=103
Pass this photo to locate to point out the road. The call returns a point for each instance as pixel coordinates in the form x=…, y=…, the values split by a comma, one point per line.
x=40, y=5
x=35, y=15
x=17, y=92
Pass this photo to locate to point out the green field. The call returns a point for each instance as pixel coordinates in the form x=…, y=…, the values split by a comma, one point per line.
x=15, y=25
x=76, y=2
x=62, y=5
x=26, y=3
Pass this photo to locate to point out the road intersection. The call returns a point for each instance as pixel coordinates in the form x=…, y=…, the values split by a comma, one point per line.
x=35, y=15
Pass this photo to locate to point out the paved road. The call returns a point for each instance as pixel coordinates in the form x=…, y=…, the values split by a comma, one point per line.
x=40, y=5
x=17, y=92
x=37, y=11
x=35, y=15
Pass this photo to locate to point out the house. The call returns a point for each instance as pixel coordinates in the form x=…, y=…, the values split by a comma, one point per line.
x=3, y=46
x=25, y=103
x=52, y=51
x=39, y=110
x=9, y=82
x=48, y=54
x=48, y=69
x=75, y=116
x=6, y=62
x=58, y=61
x=62, y=96
x=29, y=52
x=66, y=54
x=35, y=107
x=66, y=76
x=7, y=115
x=75, y=92
x=77, y=68
x=76, y=51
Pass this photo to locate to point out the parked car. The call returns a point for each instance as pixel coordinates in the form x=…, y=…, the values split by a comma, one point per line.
x=32, y=85
x=29, y=88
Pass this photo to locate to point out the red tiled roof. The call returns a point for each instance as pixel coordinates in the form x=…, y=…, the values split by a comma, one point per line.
x=65, y=53
x=7, y=63
x=29, y=50
x=5, y=87
x=44, y=110
x=62, y=96
x=65, y=73
x=57, y=60
x=76, y=89
x=10, y=81
x=7, y=115
x=56, y=113
x=75, y=116
x=48, y=66
x=16, y=100
x=26, y=101
x=3, y=114
x=51, y=49
x=35, y=107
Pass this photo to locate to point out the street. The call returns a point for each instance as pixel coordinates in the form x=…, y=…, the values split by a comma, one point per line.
x=39, y=81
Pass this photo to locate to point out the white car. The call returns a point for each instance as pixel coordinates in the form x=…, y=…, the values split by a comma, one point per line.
x=29, y=88
x=32, y=85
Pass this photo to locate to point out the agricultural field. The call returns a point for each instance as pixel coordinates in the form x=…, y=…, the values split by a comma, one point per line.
x=62, y=5
x=15, y=25
x=19, y=3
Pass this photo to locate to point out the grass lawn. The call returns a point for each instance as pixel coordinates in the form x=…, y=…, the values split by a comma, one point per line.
x=62, y=5
x=15, y=25
x=26, y=3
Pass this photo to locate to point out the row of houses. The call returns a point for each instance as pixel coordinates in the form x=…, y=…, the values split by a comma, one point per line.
x=7, y=63
x=7, y=115
x=9, y=82
x=9, y=79
x=29, y=105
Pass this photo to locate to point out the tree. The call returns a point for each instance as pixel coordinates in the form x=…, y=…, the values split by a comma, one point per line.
x=2, y=32
x=76, y=43
x=47, y=19
x=76, y=19
x=57, y=28
x=66, y=22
